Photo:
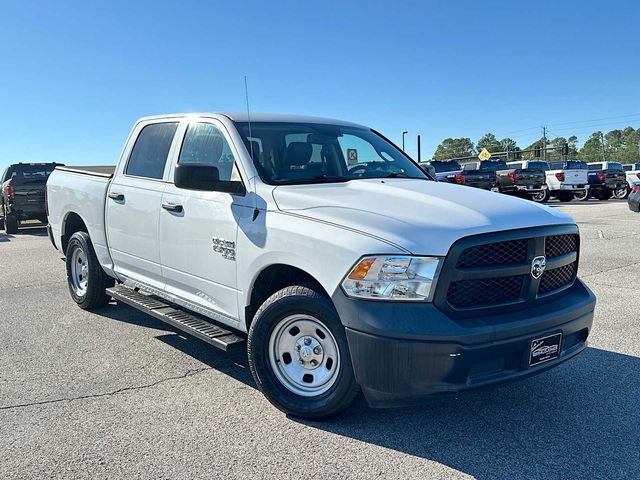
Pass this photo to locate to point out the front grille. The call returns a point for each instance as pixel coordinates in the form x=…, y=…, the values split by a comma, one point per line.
x=500, y=253
x=557, y=278
x=491, y=273
x=487, y=291
x=558, y=245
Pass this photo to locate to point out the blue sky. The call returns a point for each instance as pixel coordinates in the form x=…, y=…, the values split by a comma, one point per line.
x=75, y=75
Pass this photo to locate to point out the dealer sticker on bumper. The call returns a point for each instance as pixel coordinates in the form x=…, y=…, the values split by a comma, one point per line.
x=544, y=349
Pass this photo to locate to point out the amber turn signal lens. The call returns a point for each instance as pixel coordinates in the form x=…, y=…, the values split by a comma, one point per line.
x=361, y=270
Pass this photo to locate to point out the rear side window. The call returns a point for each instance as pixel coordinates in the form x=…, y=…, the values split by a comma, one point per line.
x=205, y=144
x=615, y=166
x=595, y=166
x=538, y=165
x=575, y=165
x=149, y=154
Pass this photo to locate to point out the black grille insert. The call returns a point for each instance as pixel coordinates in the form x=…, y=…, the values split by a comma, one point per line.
x=558, y=245
x=491, y=273
x=485, y=292
x=557, y=278
x=492, y=254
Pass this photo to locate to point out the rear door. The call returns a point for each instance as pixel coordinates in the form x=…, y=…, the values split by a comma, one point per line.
x=198, y=240
x=133, y=202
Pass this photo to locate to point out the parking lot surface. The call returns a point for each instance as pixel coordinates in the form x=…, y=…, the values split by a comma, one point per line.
x=117, y=394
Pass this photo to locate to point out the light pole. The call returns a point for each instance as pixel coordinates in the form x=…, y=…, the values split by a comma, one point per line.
x=403, y=134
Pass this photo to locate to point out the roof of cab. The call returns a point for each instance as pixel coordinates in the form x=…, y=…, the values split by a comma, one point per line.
x=259, y=117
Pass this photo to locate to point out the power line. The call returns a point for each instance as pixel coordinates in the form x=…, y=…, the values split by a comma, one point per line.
x=596, y=119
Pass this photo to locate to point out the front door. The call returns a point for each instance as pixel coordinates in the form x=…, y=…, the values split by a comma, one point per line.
x=198, y=229
x=133, y=205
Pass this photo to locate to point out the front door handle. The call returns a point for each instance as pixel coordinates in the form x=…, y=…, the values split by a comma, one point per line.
x=116, y=196
x=172, y=207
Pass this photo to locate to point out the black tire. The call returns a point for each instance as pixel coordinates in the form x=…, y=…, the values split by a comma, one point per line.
x=604, y=195
x=11, y=224
x=97, y=280
x=282, y=304
x=541, y=197
x=565, y=196
x=1, y=223
x=583, y=195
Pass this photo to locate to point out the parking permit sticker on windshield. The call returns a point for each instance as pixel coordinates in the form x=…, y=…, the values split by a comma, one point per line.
x=352, y=156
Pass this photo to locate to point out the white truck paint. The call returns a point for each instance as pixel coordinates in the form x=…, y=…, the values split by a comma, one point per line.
x=206, y=250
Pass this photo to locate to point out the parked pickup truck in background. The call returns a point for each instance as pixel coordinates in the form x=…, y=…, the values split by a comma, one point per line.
x=478, y=174
x=632, y=172
x=441, y=169
x=606, y=179
x=338, y=260
x=522, y=178
x=566, y=180
x=22, y=194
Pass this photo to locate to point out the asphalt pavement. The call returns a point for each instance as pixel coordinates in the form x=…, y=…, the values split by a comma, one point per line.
x=117, y=394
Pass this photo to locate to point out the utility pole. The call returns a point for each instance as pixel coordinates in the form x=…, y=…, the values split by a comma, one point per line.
x=604, y=157
x=403, y=134
x=544, y=143
x=419, y=149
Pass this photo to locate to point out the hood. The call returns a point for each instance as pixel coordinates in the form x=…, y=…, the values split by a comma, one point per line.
x=422, y=217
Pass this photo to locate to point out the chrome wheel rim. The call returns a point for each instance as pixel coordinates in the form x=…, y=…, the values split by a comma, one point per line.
x=581, y=196
x=538, y=197
x=304, y=355
x=620, y=193
x=79, y=272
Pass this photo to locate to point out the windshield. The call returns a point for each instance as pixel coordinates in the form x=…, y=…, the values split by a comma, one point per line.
x=32, y=171
x=449, y=166
x=576, y=165
x=493, y=165
x=538, y=166
x=294, y=153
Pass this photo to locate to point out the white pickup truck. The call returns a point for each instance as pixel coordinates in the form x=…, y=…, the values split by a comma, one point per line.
x=565, y=180
x=329, y=252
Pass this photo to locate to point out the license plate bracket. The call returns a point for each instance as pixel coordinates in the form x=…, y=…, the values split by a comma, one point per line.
x=544, y=349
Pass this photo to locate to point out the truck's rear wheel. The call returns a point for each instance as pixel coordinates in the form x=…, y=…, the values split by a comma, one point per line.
x=298, y=354
x=11, y=224
x=541, y=197
x=565, y=196
x=582, y=195
x=621, y=193
x=87, y=281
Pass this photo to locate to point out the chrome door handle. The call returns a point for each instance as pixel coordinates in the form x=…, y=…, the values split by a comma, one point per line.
x=116, y=196
x=172, y=207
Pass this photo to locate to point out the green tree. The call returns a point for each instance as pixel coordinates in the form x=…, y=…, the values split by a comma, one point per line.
x=533, y=146
x=490, y=142
x=573, y=146
x=591, y=151
x=454, y=148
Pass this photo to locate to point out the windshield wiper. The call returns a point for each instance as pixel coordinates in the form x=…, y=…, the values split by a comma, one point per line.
x=315, y=179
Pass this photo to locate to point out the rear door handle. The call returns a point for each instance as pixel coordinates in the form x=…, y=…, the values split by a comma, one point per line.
x=116, y=196
x=172, y=207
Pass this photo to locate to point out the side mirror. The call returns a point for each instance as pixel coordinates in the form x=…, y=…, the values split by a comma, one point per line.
x=204, y=177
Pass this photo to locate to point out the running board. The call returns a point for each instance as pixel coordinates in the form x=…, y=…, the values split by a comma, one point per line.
x=181, y=319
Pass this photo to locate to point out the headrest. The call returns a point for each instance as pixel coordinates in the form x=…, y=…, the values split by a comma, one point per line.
x=298, y=154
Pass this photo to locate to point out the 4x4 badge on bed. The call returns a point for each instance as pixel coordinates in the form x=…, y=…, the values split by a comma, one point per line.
x=537, y=267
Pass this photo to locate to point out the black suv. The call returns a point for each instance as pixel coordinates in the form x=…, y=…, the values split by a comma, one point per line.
x=22, y=194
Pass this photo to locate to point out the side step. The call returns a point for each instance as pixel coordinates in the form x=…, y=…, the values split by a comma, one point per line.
x=185, y=321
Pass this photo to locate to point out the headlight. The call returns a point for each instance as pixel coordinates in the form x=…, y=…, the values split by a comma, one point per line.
x=393, y=277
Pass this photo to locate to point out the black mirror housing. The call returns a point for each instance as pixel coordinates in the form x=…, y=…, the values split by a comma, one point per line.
x=206, y=178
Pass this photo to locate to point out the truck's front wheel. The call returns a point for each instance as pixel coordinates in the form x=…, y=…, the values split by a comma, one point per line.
x=298, y=354
x=87, y=281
